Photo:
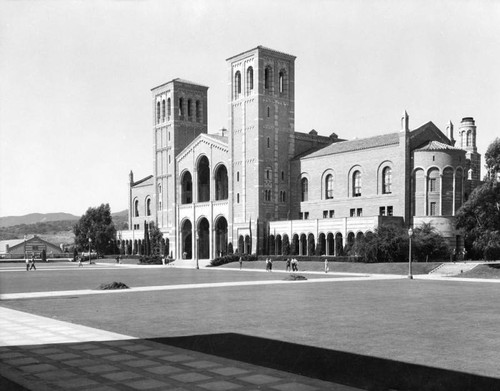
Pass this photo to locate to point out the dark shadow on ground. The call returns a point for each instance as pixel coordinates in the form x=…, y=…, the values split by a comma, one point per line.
x=370, y=373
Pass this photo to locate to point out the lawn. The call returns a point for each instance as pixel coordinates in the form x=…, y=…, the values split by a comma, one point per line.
x=448, y=324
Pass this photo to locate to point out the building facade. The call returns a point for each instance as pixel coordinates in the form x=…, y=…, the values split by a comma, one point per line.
x=260, y=185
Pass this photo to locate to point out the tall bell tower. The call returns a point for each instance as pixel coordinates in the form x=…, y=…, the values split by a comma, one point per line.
x=261, y=96
x=467, y=133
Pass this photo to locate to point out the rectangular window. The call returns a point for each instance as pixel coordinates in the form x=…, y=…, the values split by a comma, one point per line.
x=332, y=214
x=432, y=184
x=382, y=211
x=306, y=215
x=433, y=209
x=301, y=216
x=389, y=211
x=325, y=214
x=352, y=212
x=359, y=212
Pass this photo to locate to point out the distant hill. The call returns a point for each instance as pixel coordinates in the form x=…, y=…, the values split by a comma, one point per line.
x=34, y=218
x=48, y=226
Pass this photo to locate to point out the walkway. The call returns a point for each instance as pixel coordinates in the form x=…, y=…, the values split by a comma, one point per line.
x=42, y=354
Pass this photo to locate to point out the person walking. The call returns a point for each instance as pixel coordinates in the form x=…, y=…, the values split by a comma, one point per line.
x=80, y=264
x=288, y=268
x=326, y=265
x=33, y=262
x=270, y=265
x=241, y=262
x=27, y=264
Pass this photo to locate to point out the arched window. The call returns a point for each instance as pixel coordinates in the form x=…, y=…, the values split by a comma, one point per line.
x=268, y=111
x=356, y=184
x=169, y=108
x=469, y=138
x=268, y=79
x=186, y=188
x=237, y=84
x=136, y=208
x=249, y=80
x=387, y=180
x=158, y=112
x=329, y=186
x=304, y=186
x=221, y=184
x=163, y=110
x=282, y=82
x=148, y=207
x=181, y=107
x=268, y=142
x=189, y=108
x=198, y=111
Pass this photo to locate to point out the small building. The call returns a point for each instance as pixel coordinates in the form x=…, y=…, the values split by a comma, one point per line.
x=32, y=245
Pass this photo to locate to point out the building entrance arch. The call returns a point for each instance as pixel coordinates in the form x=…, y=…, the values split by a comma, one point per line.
x=187, y=240
x=203, y=239
x=221, y=237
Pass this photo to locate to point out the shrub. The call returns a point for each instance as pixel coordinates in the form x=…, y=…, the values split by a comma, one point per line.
x=114, y=285
x=232, y=258
x=150, y=260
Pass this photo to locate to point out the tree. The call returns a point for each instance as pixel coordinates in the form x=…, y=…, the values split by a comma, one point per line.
x=96, y=224
x=428, y=243
x=479, y=220
x=155, y=239
x=492, y=159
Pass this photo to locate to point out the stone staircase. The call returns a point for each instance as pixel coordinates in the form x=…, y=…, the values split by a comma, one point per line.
x=453, y=269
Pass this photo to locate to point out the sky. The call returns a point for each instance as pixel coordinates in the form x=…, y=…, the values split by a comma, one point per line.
x=76, y=79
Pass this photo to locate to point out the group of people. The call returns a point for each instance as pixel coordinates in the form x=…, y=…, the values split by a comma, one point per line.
x=269, y=265
x=30, y=263
x=292, y=265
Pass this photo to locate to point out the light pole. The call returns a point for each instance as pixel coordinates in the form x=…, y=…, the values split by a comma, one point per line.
x=197, y=248
x=90, y=257
x=410, y=234
x=25, y=247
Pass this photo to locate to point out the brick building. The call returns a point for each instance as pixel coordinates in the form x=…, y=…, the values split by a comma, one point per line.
x=260, y=184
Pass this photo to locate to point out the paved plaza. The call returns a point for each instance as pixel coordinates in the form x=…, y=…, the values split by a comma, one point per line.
x=225, y=329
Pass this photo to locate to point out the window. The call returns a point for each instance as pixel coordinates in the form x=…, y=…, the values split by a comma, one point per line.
x=148, y=207
x=282, y=81
x=301, y=216
x=158, y=112
x=469, y=138
x=329, y=186
x=359, y=212
x=432, y=184
x=163, y=110
x=306, y=215
x=356, y=184
x=268, y=174
x=249, y=80
x=168, y=159
x=325, y=214
x=237, y=84
x=387, y=180
x=332, y=214
x=268, y=75
x=433, y=209
x=268, y=142
x=189, y=110
x=284, y=196
x=136, y=208
x=181, y=107
x=382, y=211
x=352, y=212
x=282, y=175
x=169, y=108
x=268, y=111
x=304, y=189
x=389, y=211
x=198, y=111
x=238, y=198
x=237, y=176
x=169, y=136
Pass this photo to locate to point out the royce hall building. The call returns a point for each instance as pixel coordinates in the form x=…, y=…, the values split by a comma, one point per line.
x=261, y=186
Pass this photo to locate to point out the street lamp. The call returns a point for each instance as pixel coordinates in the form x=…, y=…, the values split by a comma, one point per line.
x=197, y=248
x=90, y=258
x=410, y=234
x=24, y=247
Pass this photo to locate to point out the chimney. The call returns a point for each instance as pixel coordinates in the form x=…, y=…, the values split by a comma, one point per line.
x=223, y=132
x=449, y=132
x=405, y=122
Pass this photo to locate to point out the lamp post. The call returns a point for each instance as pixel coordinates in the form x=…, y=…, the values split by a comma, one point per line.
x=90, y=257
x=410, y=234
x=197, y=248
x=24, y=247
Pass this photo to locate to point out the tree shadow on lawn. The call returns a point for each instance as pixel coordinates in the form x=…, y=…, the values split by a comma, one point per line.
x=370, y=373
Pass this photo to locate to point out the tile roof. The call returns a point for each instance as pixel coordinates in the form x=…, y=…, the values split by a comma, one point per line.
x=355, y=145
x=437, y=146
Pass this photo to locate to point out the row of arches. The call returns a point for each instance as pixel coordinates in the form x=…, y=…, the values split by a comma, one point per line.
x=355, y=183
x=307, y=244
x=147, y=207
x=138, y=246
x=203, y=241
x=268, y=81
x=203, y=182
x=186, y=107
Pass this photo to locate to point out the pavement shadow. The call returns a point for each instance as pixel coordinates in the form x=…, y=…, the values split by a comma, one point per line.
x=366, y=372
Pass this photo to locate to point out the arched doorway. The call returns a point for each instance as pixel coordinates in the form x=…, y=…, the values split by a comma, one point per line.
x=272, y=249
x=311, y=247
x=203, y=239
x=339, y=244
x=279, y=249
x=203, y=180
x=221, y=183
x=321, y=247
x=241, y=244
x=303, y=245
x=221, y=237
x=330, y=244
x=295, y=245
x=187, y=239
x=248, y=245
x=286, y=245
x=186, y=188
